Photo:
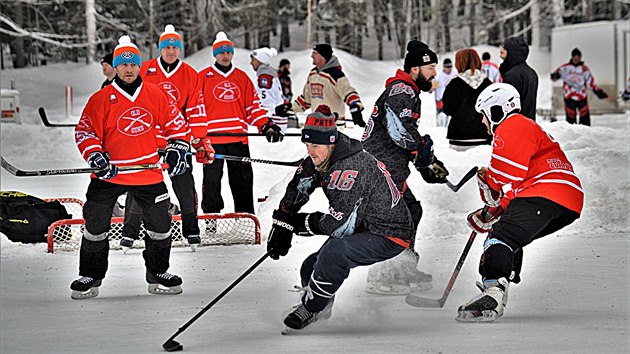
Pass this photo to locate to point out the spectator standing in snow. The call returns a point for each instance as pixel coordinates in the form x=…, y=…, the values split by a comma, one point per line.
x=515, y=71
x=268, y=86
x=442, y=79
x=490, y=69
x=284, y=75
x=108, y=70
x=576, y=79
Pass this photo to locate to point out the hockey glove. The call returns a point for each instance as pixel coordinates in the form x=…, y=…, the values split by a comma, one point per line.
x=625, y=95
x=435, y=173
x=357, y=118
x=424, y=155
x=481, y=221
x=282, y=110
x=176, y=151
x=555, y=76
x=488, y=195
x=600, y=93
x=100, y=160
x=205, y=151
x=307, y=224
x=272, y=132
x=279, y=240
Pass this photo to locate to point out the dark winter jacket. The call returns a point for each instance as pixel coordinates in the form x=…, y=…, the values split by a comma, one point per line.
x=466, y=126
x=392, y=134
x=285, y=82
x=361, y=195
x=520, y=75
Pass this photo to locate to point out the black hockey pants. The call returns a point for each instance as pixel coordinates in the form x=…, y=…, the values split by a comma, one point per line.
x=101, y=197
x=572, y=108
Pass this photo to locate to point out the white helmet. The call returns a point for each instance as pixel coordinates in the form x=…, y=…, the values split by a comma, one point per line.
x=497, y=101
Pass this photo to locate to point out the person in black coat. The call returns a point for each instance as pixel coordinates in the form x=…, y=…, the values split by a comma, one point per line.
x=517, y=73
x=466, y=128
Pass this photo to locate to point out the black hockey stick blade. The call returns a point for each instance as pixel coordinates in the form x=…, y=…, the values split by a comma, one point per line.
x=172, y=346
x=71, y=171
x=470, y=174
x=418, y=301
x=269, y=162
x=47, y=123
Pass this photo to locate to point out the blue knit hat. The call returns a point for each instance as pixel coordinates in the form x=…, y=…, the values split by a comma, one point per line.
x=126, y=52
x=170, y=38
x=320, y=127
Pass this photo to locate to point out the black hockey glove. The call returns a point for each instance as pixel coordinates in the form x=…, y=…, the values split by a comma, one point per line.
x=100, y=160
x=555, y=76
x=625, y=95
x=600, y=93
x=307, y=224
x=282, y=110
x=176, y=151
x=272, y=132
x=279, y=240
x=424, y=155
x=357, y=116
x=434, y=173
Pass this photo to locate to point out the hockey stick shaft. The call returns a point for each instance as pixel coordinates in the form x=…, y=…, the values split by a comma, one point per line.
x=270, y=162
x=169, y=342
x=467, y=177
x=71, y=171
x=47, y=123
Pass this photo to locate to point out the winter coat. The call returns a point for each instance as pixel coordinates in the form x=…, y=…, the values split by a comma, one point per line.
x=328, y=86
x=466, y=126
x=391, y=134
x=360, y=192
x=520, y=75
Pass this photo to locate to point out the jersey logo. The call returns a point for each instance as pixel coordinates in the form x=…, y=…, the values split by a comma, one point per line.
x=375, y=112
x=390, y=183
x=317, y=91
x=171, y=91
x=226, y=91
x=265, y=81
x=557, y=164
x=342, y=181
x=135, y=121
x=497, y=143
x=151, y=71
x=401, y=88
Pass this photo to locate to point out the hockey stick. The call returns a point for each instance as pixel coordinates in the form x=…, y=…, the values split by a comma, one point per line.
x=171, y=345
x=249, y=134
x=417, y=301
x=47, y=123
x=71, y=171
x=466, y=178
x=270, y=162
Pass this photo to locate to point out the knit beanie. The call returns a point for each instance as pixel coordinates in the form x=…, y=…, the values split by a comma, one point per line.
x=575, y=52
x=447, y=63
x=170, y=38
x=320, y=127
x=418, y=54
x=325, y=50
x=108, y=58
x=222, y=44
x=264, y=54
x=126, y=52
x=284, y=62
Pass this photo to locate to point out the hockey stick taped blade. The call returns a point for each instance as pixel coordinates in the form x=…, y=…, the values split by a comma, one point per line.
x=172, y=346
x=417, y=301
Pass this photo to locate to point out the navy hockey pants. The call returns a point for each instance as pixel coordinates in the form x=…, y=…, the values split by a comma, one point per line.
x=325, y=270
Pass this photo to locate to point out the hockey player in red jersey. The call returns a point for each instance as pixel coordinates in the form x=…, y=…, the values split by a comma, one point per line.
x=231, y=106
x=545, y=195
x=120, y=126
x=180, y=82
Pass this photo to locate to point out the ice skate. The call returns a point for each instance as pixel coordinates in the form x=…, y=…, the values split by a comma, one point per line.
x=164, y=283
x=193, y=242
x=487, y=306
x=126, y=243
x=420, y=281
x=85, y=288
x=302, y=317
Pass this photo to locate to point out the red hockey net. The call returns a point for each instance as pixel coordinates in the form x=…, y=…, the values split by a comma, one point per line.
x=216, y=229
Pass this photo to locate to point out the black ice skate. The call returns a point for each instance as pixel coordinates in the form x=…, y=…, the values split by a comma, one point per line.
x=85, y=288
x=164, y=283
x=126, y=243
x=194, y=241
x=487, y=306
x=302, y=317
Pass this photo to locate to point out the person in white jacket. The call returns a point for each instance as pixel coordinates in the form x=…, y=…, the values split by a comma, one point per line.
x=268, y=86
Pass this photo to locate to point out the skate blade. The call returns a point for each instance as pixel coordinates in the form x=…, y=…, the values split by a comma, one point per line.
x=82, y=295
x=477, y=316
x=287, y=330
x=193, y=248
x=125, y=249
x=388, y=290
x=422, y=286
x=158, y=289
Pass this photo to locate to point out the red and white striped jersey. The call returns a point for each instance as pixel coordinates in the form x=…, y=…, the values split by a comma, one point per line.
x=524, y=155
x=182, y=86
x=127, y=127
x=492, y=71
x=576, y=79
x=231, y=103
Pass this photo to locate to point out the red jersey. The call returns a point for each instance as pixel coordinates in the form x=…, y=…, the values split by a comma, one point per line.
x=231, y=104
x=127, y=127
x=182, y=86
x=524, y=155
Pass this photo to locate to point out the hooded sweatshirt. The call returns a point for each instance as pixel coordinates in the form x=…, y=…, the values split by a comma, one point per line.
x=520, y=75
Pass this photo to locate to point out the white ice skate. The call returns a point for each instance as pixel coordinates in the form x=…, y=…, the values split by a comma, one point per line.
x=487, y=306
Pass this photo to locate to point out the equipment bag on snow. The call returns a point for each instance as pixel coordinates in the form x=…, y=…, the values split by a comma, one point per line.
x=24, y=218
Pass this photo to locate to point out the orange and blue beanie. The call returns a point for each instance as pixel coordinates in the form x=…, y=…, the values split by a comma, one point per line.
x=126, y=52
x=222, y=45
x=320, y=127
x=170, y=38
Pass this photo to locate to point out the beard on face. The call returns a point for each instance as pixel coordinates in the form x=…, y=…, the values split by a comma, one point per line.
x=422, y=83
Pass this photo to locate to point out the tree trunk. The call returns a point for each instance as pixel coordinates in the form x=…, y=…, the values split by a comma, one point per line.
x=446, y=23
x=90, y=19
x=20, y=59
x=557, y=10
x=534, y=15
x=201, y=27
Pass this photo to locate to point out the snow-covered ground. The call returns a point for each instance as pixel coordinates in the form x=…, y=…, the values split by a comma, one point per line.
x=573, y=298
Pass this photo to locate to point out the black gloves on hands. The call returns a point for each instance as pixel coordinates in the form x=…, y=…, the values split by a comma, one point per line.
x=272, y=132
x=424, y=156
x=357, y=116
x=100, y=160
x=307, y=224
x=282, y=110
x=626, y=95
x=555, y=76
x=600, y=93
x=434, y=173
x=279, y=240
x=176, y=151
